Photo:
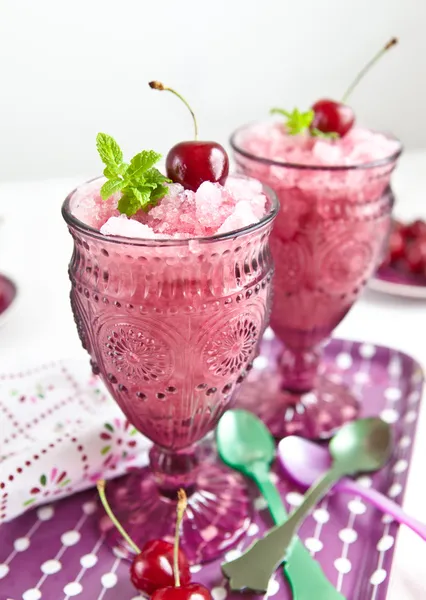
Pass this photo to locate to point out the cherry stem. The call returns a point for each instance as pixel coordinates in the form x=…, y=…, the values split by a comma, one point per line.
x=101, y=490
x=180, y=511
x=367, y=67
x=157, y=85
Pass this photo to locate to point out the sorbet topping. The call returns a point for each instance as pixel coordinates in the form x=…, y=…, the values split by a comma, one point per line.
x=212, y=209
x=359, y=146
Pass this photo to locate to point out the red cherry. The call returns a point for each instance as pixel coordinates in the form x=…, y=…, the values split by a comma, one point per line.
x=191, y=163
x=415, y=255
x=332, y=117
x=194, y=591
x=152, y=568
x=396, y=245
x=416, y=229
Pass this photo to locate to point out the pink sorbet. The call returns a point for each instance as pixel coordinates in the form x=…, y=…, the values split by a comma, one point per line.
x=212, y=209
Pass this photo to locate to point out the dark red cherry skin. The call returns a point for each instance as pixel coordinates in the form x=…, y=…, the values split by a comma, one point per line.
x=192, y=163
x=152, y=568
x=194, y=591
x=332, y=117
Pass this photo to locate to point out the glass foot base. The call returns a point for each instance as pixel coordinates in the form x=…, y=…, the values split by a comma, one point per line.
x=218, y=513
x=314, y=415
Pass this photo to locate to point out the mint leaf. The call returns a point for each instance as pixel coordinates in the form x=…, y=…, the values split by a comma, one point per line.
x=297, y=122
x=141, y=163
x=109, y=151
x=110, y=187
x=142, y=185
x=332, y=135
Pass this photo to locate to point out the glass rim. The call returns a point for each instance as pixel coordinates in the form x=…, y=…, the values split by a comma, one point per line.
x=74, y=222
x=315, y=167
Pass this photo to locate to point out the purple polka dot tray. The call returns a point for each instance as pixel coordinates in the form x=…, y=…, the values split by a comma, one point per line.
x=55, y=552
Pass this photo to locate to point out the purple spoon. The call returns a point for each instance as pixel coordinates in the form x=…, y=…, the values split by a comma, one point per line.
x=305, y=462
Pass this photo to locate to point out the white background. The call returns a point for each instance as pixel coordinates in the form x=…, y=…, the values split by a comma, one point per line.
x=71, y=69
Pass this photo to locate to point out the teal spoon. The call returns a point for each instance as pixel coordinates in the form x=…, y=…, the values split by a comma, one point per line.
x=363, y=445
x=245, y=444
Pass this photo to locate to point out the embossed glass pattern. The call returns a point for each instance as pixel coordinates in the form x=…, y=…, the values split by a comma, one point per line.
x=327, y=240
x=172, y=327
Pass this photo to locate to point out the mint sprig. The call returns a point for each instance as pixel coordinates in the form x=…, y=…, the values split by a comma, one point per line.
x=141, y=184
x=298, y=122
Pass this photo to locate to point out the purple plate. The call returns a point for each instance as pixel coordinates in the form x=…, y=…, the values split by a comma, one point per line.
x=56, y=553
x=390, y=281
x=8, y=293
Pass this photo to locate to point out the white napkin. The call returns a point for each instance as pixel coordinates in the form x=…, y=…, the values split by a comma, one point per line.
x=59, y=432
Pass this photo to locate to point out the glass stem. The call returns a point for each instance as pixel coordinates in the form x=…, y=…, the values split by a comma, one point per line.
x=174, y=470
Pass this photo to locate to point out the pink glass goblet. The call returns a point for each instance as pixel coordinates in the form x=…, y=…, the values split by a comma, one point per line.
x=172, y=327
x=327, y=241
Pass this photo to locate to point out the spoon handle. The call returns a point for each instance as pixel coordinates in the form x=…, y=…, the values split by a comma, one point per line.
x=384, y=504
x=304, y=574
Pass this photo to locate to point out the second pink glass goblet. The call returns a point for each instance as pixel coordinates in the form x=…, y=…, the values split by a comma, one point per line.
x=327, y=241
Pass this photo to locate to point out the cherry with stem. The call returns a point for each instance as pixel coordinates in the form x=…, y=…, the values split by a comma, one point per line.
x=337, y=117
x=193, y=162
x=155, y=565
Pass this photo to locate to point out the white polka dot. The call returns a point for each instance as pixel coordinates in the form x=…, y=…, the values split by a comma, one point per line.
x=253, y=529
x=400, y=466
x=411, y=416
x=73, y=589
x=414, y=397
x=395, y=490
x=405, y=442
x=321, y=515
x=361, y=377
x=50, y=567
x=260, y=503
x=344, y=361
x=387, y=519
x=393, y=394
x=260, y=362
x=348, y=536
x=70, y=538
x=365, y=481
x=357, y=507
x=314, y=544
x=389, y=415
x=367, y=350
x=343, y=565
x=232, y=555
x=45, y=513
x=89, y=508
x=195, y=568
x=274, y=478
x=294, y=498
x=31, y=594
x=273, y=587
x=218, y=593
x=385, y=543
x=109, y=580
x=88, y=561
x=4, y=570
x=269, y=334
x=21, y=544
x=395, y=368
x=378, y=577
x=309, y=399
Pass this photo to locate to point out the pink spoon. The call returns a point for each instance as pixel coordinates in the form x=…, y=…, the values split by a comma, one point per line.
x=305, y=462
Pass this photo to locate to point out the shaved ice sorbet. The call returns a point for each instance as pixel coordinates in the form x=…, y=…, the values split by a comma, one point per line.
x=212, y=210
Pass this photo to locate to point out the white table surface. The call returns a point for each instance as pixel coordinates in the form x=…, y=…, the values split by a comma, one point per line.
x=35, y=248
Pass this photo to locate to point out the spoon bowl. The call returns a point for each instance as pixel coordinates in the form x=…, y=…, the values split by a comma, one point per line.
x=362, y=446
